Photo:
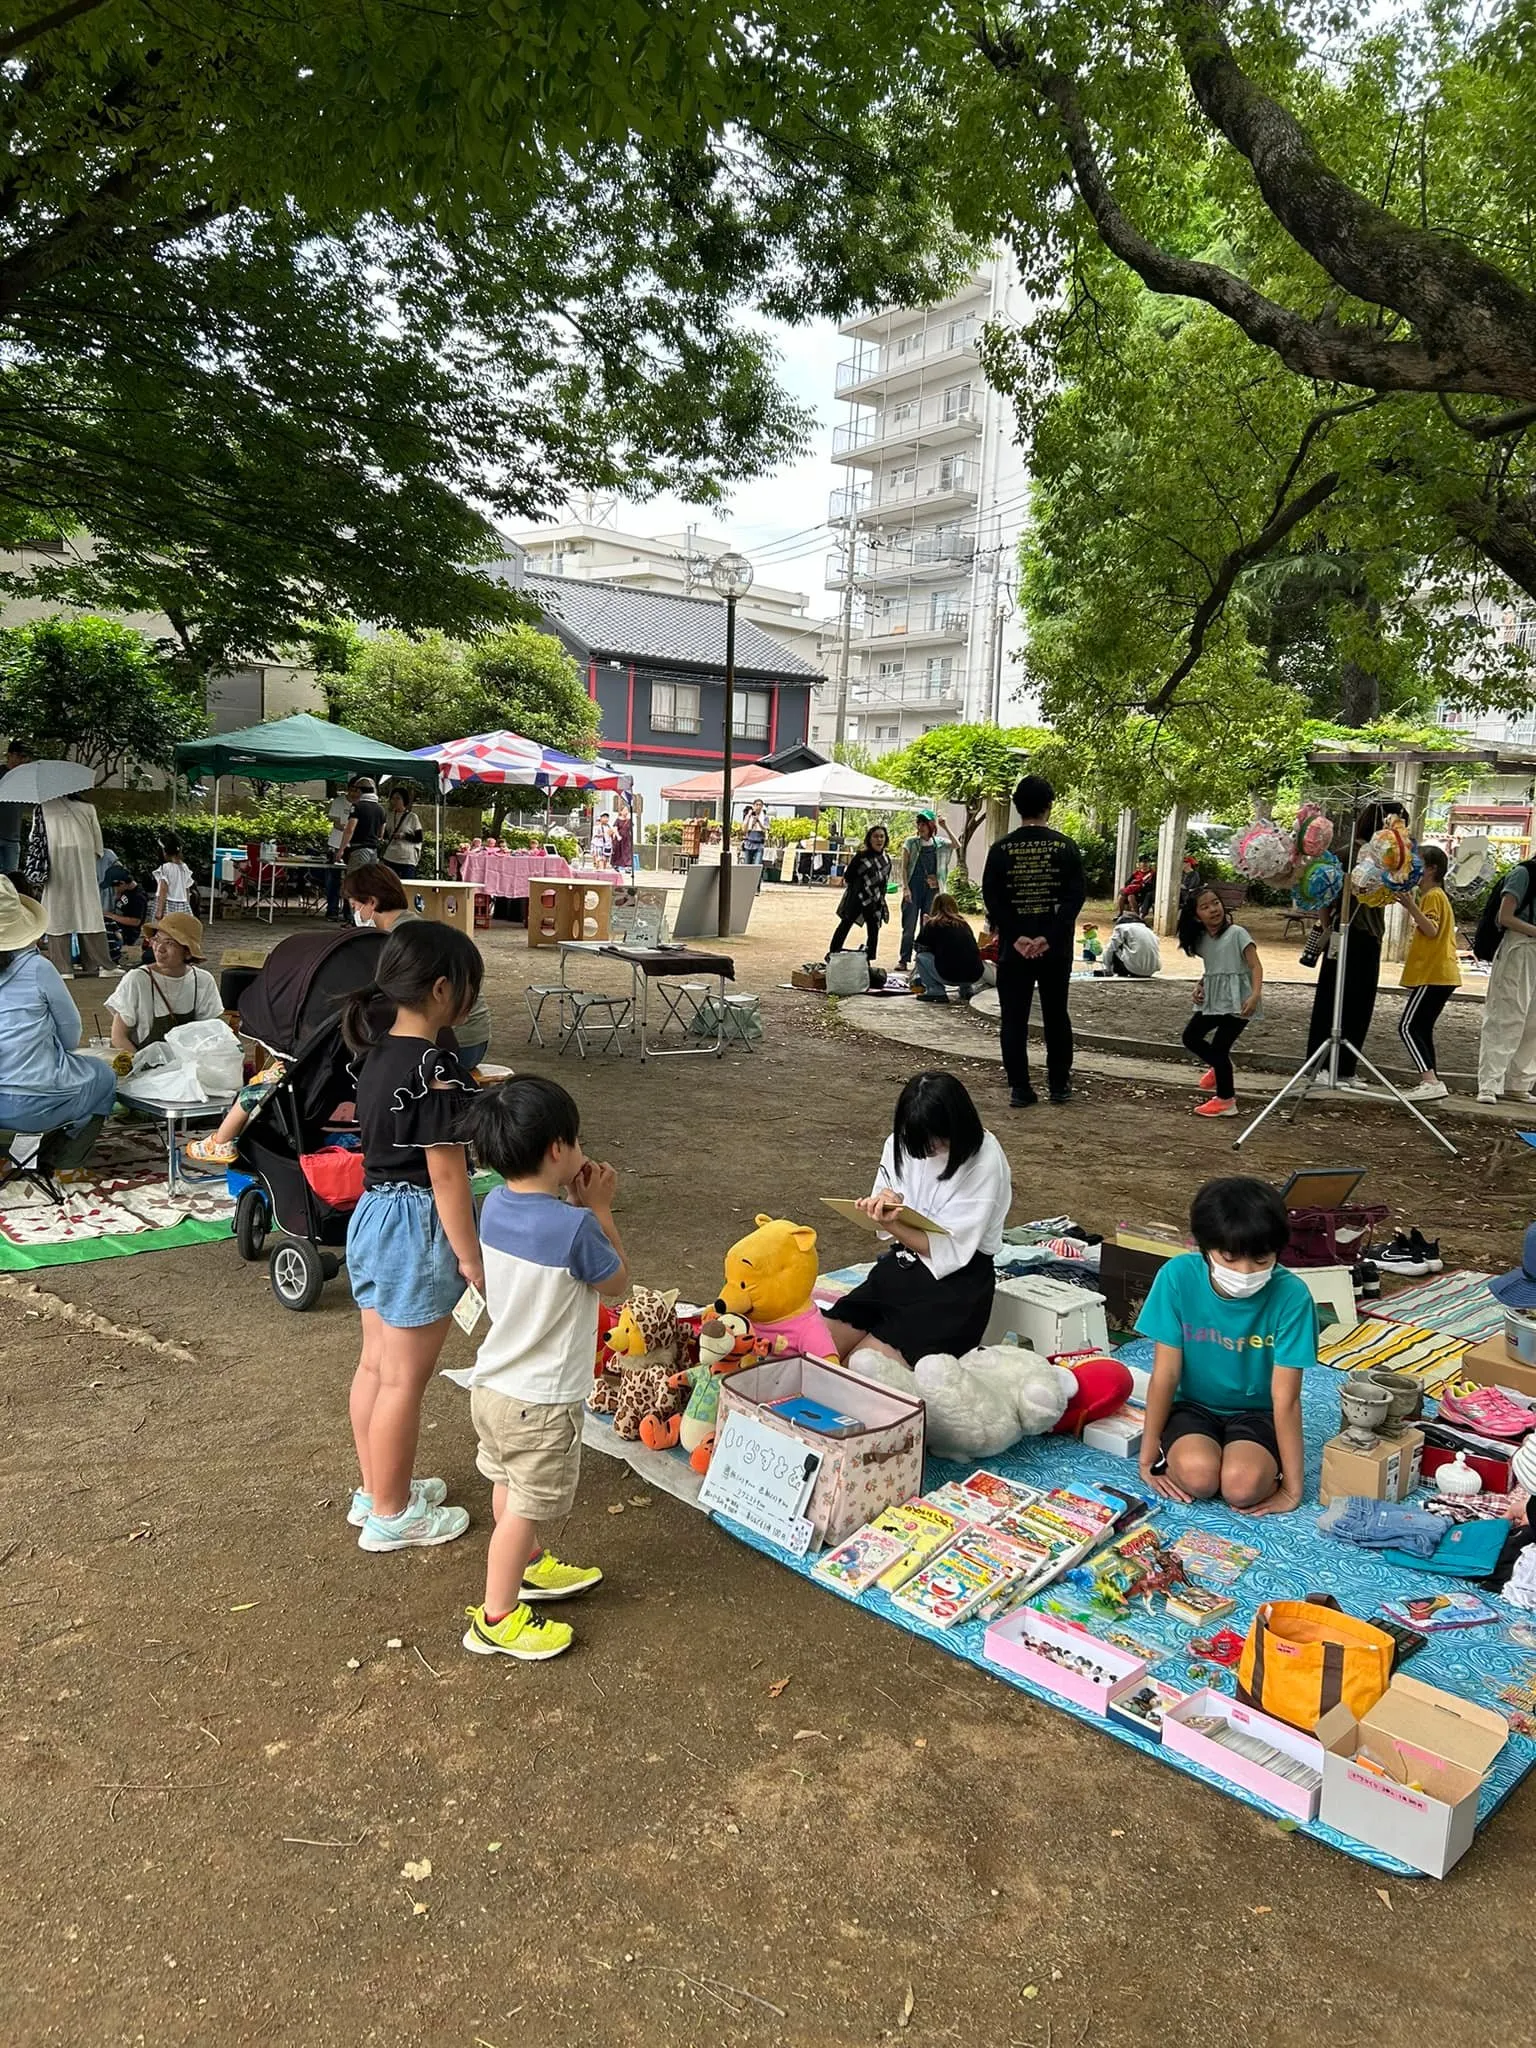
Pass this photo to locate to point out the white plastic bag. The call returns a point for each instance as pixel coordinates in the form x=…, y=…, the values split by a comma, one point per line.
x=158, y=1076
x=212, y=1051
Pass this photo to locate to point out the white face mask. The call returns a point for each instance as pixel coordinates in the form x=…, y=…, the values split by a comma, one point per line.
x=1239, y=1286
x=358, y=917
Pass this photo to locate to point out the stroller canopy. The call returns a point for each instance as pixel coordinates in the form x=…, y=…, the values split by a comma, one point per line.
x=304, y=982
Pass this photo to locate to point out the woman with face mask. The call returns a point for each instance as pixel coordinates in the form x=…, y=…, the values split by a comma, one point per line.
x=1234, y=1330
x=374, y=896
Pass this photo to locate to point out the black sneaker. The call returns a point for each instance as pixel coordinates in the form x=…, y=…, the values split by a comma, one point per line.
x=1062, y=1095
x=1367, y=1280
x=1023, y=1098
x=1428, y=1249
x=1406, y=1255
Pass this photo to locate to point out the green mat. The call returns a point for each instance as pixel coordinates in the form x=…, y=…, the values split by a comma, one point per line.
x=15, y=1258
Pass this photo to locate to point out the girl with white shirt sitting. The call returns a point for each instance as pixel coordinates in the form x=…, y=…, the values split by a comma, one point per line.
x=932, y=1291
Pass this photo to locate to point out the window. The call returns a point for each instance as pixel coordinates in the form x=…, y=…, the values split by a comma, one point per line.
x=853, y=728
x=887, y=733
x=900, y=414
x=674, y=707
x=902, y=479
x=957, y=401
x=959, y=332
x=752, y=713
x=908, y=345
x=937, y=671
x=944, y=610
x=892, y=671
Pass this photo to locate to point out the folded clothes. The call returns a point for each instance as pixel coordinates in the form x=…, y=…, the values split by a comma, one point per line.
x=1467, y=1550
x=1520, y=1589
x=1382, y=1525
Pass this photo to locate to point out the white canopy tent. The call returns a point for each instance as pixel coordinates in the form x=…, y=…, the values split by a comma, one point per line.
x=831, y=787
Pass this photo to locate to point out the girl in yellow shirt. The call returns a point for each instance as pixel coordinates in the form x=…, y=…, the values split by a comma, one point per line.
x=1431, y=973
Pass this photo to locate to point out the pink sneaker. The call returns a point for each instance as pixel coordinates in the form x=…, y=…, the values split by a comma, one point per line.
x=1216, y=1107
x=1207, y=1081
x=1489, y=1411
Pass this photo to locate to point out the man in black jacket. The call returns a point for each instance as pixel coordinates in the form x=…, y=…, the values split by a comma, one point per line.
x=1033, y=888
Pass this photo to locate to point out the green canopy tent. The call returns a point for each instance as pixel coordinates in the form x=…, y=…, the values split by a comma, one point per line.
x=296, y=749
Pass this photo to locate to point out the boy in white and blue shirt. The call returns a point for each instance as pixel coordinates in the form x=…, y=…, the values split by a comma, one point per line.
x=551, y=1249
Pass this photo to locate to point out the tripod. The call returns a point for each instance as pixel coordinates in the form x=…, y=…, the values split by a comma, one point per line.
x=1335, y=1043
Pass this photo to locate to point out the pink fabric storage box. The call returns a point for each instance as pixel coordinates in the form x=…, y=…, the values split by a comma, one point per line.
x=1300, y=1801
x=1013, y=1642
x=861, y=1474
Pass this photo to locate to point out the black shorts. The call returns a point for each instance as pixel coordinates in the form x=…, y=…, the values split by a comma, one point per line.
x=1248, y=1426
x=902, y=1305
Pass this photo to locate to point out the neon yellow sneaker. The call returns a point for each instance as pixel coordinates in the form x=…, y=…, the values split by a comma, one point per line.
x=548, y=1579
x=516, y=1635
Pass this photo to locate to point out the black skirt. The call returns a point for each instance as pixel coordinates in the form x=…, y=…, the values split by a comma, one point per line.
x=903, y=1306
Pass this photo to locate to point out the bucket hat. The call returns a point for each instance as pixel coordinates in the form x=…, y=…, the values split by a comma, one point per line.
x=183, y=927
x=22, y=922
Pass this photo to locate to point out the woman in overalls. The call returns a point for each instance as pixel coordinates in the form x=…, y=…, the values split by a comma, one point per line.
x=148, y=1001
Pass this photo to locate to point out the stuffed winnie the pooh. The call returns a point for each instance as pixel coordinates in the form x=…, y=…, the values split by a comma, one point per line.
x=769, y=1275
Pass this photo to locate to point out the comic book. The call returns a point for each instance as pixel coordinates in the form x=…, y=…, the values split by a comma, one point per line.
x=855, y=1565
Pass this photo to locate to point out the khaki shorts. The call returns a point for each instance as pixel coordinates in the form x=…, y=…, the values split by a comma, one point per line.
x=531, y=1448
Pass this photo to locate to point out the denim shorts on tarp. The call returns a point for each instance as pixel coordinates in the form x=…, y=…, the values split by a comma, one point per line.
x=399, y=1260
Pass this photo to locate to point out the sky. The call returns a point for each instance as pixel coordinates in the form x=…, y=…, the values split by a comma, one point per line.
x=768, y=519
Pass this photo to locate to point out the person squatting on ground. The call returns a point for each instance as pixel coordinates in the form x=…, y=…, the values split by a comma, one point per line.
x=947, y=954
x=411, y=1244
x=1233, y=1330
x=1227, y=995
x=1033, y=888
x=551, y=1250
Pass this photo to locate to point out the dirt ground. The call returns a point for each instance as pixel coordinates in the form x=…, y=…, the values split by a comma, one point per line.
x=219, y=1768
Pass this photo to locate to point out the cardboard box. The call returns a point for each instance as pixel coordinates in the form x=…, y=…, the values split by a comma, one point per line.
x=1300, y=1801
x=801, y=977
x=1390, y=1470
x=1493, y=1364
x=1119, y=1434
x=1432, y=1752
x=1013, y=1642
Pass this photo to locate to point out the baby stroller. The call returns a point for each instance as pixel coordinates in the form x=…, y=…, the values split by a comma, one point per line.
x=293, y=1007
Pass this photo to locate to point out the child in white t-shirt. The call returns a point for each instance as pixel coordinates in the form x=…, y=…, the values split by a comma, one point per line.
x=174, y=887
x=550, y=1249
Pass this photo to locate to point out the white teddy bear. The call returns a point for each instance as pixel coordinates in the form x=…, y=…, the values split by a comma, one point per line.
x=980, y=1404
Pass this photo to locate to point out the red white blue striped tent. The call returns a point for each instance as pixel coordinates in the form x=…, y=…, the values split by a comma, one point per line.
x=493, y=757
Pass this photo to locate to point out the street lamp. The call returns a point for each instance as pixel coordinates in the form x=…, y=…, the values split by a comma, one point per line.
x=730, y=577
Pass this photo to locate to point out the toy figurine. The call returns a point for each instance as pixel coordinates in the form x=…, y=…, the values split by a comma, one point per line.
x=726, y=1344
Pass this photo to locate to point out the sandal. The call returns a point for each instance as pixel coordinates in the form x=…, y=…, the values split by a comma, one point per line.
x=209, y=1152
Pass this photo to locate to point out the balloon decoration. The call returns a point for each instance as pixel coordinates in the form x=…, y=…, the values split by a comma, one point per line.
x=1370, y=880
x=1265, y=853
x=1320, y=882
x=1316, y=834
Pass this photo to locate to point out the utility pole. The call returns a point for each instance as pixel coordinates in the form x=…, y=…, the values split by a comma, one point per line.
x=688, y=534
x=840, y=724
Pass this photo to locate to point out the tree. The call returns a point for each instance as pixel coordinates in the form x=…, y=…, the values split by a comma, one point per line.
x=291, y=298
x=966, y=765
x=412, y=692
x=1217, y=549
x=96, y=691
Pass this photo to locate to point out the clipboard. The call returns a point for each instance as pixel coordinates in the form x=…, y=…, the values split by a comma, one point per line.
x=852, y=1213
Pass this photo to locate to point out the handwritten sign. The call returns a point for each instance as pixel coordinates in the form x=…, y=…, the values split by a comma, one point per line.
x=762, y=1478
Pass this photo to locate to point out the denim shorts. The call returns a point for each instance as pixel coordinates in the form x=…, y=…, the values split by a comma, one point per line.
x=399, y=1260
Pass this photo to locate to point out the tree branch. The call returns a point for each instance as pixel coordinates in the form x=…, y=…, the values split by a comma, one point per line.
x=1492, y=426
x=33, y=31
x=1281, y=523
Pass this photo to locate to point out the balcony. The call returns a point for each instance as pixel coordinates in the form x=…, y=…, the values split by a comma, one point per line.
x=915, y=622
x=865, y=364
x=892, y=691
x=864, y=566
x=901, y=429
x=848, y=503
x=933, y=488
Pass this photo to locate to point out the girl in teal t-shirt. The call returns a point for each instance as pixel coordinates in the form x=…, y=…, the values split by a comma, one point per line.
x=1233, y=1330
x=1227, y=995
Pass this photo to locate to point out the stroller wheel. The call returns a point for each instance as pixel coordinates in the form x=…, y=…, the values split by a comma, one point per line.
x=298, y=1275
x=251, y=1224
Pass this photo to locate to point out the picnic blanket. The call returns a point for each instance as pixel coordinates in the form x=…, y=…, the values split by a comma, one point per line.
x=115, y=1205
x=1294, y=1560
x=1428, y=1357
x=1451, y=1304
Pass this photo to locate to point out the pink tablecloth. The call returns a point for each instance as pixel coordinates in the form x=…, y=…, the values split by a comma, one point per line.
x=500, y=873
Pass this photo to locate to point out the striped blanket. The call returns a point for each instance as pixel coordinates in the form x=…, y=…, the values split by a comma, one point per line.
x=1456, y=1304
x=1428, y=1356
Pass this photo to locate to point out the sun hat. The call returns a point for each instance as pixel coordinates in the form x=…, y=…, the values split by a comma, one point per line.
x=22, y=922
x=1518, y=1289
x=181, y=926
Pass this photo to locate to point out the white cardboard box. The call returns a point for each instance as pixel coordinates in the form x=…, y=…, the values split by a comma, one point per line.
x=1433, y=1751
x=1119, y=1434
x=1300, y=1801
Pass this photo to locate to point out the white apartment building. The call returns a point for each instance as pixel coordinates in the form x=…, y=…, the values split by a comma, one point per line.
x=675, y=564
x=927, y=524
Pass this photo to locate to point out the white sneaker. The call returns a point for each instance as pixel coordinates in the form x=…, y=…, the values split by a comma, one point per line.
x=1520, y=1094
x=1356, y=1086
x=414, y=1528
x=433, y=1491
x=1426, y=1091
x=1486, y=1095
